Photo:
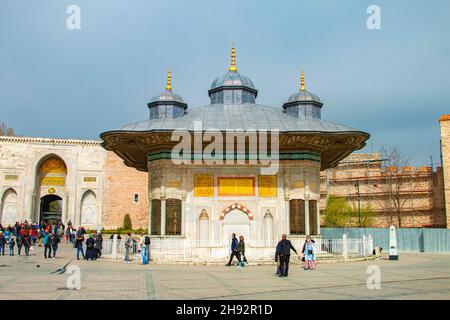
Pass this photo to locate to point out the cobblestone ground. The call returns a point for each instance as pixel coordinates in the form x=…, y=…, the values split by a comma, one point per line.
x=414, y=276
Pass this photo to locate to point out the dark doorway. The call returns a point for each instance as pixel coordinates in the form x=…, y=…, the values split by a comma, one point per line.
x=51, y=209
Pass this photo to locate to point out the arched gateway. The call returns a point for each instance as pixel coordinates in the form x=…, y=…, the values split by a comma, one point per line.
x=180, y=147
x=50, y=188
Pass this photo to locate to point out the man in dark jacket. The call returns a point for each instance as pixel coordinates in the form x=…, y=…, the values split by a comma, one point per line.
x=283, y=251
x=234, y=250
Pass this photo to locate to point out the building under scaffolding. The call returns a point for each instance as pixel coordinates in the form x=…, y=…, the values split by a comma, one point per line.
x=406, y=196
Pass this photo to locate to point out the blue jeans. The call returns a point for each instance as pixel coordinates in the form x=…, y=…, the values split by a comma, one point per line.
x=2, y=249
x=80, y=249
x=144, y=254
x=11, y=251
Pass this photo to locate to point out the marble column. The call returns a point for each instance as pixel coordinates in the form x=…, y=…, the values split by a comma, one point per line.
x=183, y=213
x=149, y=228
x=318, y=215
x=163, y=214
x=65, y=203
x=307, y=229
x=287, y=214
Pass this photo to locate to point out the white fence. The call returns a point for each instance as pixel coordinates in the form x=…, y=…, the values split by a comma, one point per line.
x=182, y=250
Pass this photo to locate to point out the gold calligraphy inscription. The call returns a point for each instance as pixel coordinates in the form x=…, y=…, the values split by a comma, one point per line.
x=53, y=181
x=236, y=186
x=297, y=185
x=267, y=186
x=203, y=185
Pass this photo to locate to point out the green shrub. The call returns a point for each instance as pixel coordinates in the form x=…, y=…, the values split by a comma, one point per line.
x=338, y=213
x=127, y=222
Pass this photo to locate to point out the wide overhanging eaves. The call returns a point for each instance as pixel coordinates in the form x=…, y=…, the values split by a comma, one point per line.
x=134, y=146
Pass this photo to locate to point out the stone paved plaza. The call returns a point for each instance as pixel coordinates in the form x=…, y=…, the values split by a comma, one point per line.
x=414, y=276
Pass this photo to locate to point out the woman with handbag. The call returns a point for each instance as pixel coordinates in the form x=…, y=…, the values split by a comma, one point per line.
x=309, y=253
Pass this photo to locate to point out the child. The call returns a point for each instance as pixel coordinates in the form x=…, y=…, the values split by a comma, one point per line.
x=12, y=243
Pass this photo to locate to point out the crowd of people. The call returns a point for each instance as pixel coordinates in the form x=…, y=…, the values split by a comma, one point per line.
x=28, y=236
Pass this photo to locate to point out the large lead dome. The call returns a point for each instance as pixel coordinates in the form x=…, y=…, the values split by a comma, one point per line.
x=232, y=88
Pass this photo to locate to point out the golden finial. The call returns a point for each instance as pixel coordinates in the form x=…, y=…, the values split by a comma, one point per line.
x=302, y=81
x=233, y=58
x=169, y=81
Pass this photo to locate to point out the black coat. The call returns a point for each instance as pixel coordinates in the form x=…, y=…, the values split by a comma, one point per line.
x=99, y=243
x=284, y=248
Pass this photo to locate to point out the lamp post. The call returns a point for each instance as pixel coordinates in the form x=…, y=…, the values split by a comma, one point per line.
x=359, y=201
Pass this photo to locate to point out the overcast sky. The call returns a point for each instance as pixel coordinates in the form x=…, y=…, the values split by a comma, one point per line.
x=392, y=83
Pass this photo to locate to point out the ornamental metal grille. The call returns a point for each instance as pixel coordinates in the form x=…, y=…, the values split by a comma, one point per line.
x=156, y=217
x=297, y=216
x=312, y=216
x=173, y=217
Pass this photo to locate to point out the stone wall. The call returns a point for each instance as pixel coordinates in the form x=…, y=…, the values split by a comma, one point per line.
x=122, y=184
x=445, y=153
x=417, y=192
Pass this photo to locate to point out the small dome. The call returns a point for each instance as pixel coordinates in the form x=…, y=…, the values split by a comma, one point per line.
x=303, y=96
x=167, y=96
x=232, y=79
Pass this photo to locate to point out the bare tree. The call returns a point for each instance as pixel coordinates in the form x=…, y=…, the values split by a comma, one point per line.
x=396, y=180
x=5, y=130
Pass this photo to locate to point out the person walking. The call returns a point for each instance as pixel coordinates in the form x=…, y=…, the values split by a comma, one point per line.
x=2, y=243
x=98, y=245
x=144, y=245
x=309, y=253
x=284, y=248
x=234, y=251
x=79, y=245
x=128, y=247
x=47, y=244
x=90, y=248
x=26, y=242
x=12, y=243
x=19, y=242
x=54, y=244
x=241, y=250
x=39, y=236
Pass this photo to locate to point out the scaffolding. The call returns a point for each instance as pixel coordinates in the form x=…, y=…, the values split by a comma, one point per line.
x=386, y=189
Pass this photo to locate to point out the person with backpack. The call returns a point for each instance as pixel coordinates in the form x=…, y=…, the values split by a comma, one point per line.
x=284, y=248
x=39, y=235
x=11, y=243
x=144, y=244
x=128, y=247
x=98, y=245
x=54, y=244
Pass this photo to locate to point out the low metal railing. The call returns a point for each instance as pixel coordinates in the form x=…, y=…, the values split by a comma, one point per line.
x=182, y=250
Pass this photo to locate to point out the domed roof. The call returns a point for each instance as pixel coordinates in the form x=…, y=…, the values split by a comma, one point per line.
x=232, y=79
x=167, y=96
x=303, y=96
